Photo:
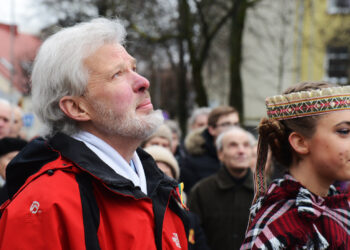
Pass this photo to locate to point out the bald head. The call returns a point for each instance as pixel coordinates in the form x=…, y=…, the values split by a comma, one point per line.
x=5, y=118
x=16, y=122
x=234, y=149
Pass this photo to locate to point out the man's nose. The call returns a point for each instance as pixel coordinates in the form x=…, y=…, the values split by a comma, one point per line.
x=242, y=149
x=141, y=84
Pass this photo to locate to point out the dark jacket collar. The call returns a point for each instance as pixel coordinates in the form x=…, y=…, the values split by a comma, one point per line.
x=209, y=143
x=225, y=180
x=88, y=160
x=39, y=152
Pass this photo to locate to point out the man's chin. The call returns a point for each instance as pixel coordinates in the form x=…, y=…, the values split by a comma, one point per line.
x=239, y=168
x=152, y=112
x=144, y=112
x=155, y=116
x=151, y=122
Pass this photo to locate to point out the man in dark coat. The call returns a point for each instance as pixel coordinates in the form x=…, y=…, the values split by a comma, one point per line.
x=201, y=160
x=222, y=201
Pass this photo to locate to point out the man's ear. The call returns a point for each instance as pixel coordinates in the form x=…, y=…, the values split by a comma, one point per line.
x=74, y=107
x=219, y=154
x=211, y=131
x=299, y=143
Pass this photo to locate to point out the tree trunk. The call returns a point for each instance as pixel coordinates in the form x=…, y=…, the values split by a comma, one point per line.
x=182, y=89
x=236, y=36
x=197, y=80
x=185, y=20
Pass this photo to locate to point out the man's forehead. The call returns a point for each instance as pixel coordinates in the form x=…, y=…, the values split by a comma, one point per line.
x=109, y=53
x=5, y=109
x=236, y=136
x=113, y=50
x=228, y=116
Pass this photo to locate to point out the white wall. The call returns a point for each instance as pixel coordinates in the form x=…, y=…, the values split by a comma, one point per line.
x=268, y=55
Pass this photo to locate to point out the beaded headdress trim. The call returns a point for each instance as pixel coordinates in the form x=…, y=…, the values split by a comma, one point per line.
x=306, y=103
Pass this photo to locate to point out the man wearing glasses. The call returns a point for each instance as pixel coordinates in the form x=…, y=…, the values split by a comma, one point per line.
x=202, y=159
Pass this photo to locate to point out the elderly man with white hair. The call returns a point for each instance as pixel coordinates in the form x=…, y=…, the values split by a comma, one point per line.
x=86, y=184
x=222, y=201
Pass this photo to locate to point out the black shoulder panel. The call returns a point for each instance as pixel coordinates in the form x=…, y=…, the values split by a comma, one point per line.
x=91, y=213
x=28, y=161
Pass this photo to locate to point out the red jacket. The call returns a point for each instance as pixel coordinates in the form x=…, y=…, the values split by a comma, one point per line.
x=64, y=197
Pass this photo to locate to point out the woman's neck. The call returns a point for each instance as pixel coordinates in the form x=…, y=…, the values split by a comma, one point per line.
x=308, y=177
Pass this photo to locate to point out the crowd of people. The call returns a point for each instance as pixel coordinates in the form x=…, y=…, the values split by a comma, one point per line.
x=12, y=140
x=216, y=167
x=110, y=173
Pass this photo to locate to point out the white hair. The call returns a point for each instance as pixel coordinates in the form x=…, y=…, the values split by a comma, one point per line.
x=219, y=139
x=174, y=127
x=252, y=139
x=59, y=69
x=197, y=112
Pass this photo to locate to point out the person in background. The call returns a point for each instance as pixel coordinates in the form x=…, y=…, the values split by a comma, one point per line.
x=161, y=137
x=176, y=135
x=165, y=160
x=270, y=172
x=167, y=163
x=198, y=118
x=177, y=142
x=201, y=159
x=254, y=143
x=86, y=184
x=222, y=201
x=9, y=148
x=5, y=118
x=16, y=122
x=308, y=131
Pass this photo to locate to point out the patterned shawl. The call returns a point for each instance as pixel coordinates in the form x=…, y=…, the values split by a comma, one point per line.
x=291, y=217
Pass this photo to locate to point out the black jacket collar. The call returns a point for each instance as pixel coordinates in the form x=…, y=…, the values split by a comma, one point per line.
x=39, y=152
x=209, y=143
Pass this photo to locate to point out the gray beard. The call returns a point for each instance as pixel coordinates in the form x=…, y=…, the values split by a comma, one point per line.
x=129, y=125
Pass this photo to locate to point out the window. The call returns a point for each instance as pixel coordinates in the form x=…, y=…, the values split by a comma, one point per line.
x=339, y=6
x=337, y=65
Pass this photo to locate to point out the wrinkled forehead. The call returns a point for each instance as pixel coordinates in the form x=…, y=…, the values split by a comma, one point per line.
x=235, y=135
x=107, y=54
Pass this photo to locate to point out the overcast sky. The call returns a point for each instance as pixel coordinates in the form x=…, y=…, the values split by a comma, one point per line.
x=28, y=15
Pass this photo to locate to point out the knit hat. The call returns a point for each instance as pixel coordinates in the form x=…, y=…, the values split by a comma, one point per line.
x=8, y=145
x=163, y=131
x=164, y=155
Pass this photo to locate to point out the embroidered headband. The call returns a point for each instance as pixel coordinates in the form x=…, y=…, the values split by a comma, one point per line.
x=294, y=105
x=306, y=103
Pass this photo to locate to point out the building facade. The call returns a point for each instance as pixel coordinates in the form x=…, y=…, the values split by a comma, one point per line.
x=17, y=53
x=287, y=42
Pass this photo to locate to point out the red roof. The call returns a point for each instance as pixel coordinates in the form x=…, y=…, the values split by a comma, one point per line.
x=25, y=47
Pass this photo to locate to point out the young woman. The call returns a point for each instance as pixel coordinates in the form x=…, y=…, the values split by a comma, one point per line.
x=308, y=131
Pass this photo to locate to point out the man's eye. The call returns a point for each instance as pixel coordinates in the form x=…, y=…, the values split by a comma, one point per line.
x=117, y=74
